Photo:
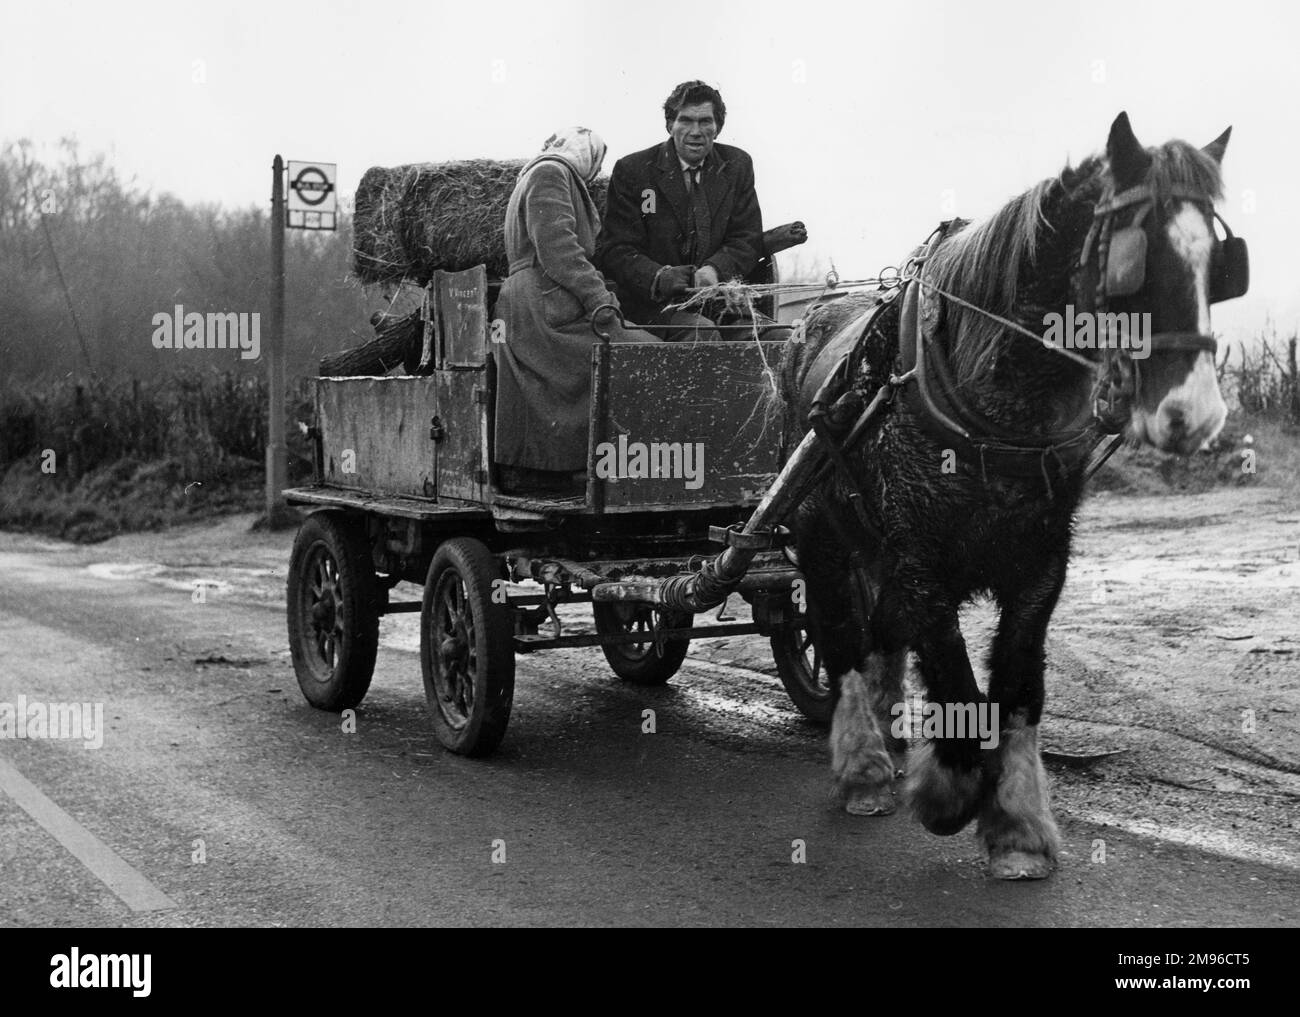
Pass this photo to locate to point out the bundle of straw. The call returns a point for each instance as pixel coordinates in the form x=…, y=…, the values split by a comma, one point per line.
x=411, y=220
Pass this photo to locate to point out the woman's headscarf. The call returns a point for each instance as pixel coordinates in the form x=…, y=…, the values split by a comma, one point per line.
x=582, y=148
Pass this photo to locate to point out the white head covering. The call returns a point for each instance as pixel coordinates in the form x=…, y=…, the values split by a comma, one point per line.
x=581, y=147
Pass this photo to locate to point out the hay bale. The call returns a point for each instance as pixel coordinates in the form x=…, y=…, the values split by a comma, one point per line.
x=411, y=220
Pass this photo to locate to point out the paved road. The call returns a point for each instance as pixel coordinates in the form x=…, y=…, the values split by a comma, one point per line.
x=591, y=820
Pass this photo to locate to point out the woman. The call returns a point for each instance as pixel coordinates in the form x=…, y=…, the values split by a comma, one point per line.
x=544, y=364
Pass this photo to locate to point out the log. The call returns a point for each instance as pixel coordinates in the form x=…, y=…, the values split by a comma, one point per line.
x=399, y=340
x=782, y=238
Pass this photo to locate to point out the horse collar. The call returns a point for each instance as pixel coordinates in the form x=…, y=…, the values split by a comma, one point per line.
x=935, y=400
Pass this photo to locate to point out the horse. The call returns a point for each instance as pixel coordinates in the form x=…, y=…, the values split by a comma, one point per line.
x=970, y=486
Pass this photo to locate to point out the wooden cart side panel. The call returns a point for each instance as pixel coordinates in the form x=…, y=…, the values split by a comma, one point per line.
x=462, y=314
x=690, y=424
x=462, y=462
x=375, y=434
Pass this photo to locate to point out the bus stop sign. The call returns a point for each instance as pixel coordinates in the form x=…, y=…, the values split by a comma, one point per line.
x=313, y=198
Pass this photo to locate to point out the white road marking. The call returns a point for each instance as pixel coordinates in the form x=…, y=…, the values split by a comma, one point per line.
x=104, y=863
x=1217, y=842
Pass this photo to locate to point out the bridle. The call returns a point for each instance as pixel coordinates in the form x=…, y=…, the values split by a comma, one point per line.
x=1121, y=257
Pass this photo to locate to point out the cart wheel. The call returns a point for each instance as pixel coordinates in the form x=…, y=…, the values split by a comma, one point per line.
x=799, y=665
x=332, y=605
x=467, y=651
x=642, y=663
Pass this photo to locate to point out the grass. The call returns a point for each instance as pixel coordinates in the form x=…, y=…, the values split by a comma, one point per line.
x=1275, y=462
x=87, y=460
x=1263, y=383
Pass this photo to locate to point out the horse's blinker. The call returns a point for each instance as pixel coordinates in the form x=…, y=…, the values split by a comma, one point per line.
x=1230, y=270
x=1122, y=253
x=1126, y=265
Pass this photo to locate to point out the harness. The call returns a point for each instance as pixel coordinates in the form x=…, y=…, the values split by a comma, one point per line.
x=945, y=416
x=838, y=403
x=935, y=397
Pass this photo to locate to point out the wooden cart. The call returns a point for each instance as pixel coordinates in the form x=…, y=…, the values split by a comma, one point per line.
x=405, y=491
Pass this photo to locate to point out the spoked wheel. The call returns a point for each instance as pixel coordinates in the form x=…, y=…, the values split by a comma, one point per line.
x=799, y=664
x=467, y=651
x=642, y=663
x=332, y=604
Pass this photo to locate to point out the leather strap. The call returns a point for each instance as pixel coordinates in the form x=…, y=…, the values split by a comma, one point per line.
x=839, y=419
x=936, y=402
x=1183, y=342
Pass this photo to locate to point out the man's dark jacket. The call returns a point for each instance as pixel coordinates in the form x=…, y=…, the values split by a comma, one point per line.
x=640, y=233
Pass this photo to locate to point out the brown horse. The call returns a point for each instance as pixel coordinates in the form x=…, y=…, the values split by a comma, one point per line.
x=970, y=482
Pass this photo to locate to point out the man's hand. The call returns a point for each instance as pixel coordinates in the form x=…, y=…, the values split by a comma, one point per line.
x=673, y=280
x=706, y=276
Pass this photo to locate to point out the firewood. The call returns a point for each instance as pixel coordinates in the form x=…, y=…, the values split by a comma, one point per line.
x=399, y=340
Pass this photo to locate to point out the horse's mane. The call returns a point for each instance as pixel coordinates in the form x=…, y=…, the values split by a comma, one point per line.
x=985, y=263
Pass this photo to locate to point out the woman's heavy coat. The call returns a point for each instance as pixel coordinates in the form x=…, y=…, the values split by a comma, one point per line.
x=544, y=362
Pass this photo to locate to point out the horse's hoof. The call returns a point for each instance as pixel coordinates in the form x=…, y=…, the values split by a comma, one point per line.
x=1020, y=865
x=944, y=800
x=944, y=807
x=944, y=824
x=870, y=802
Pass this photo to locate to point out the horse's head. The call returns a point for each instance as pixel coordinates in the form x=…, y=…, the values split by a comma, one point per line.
x=1154, y=257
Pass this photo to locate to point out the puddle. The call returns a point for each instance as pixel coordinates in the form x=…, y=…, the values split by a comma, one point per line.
x=125, y=570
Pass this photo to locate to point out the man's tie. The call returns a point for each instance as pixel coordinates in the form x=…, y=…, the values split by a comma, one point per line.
x=701, y=220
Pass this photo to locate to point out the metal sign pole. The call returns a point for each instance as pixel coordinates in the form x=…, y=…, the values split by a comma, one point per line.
x=276, y=458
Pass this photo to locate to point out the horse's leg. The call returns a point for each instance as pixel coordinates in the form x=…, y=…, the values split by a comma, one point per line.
x=862, y=772
x=893, y=669
x=862, y=766
x=882, y=676
x=1015, y=823
x=944, y=775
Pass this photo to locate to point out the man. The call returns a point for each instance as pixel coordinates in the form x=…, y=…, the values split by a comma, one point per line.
x=681, y=214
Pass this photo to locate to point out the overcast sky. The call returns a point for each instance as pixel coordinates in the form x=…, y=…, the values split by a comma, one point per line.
x=870, y=122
